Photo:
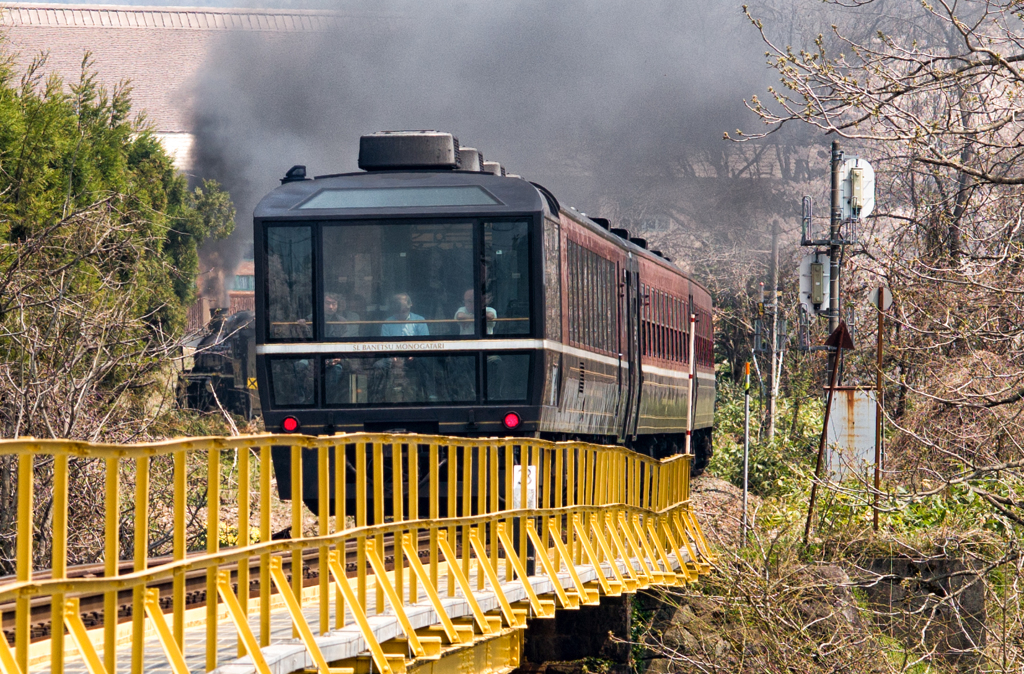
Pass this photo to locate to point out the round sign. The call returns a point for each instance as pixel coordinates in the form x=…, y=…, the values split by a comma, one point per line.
x=886, y=296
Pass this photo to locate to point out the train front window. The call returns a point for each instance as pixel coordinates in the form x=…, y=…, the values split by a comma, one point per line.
x=293, y=381
x=376, y=380
x=290, y=282
x=397, y=280
x=506, y=277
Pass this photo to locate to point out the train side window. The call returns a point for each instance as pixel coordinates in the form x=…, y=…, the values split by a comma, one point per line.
x=675, y=329
x=665, y=301
x=588, y=298
x=643, y=318
x=659, y=320
x=654, y=323
x=681, y=350
x=290, y=283
x=665, y=351
x=506, y=277
x=679, y=332
x=661, y=324
x=592, y=298
x=671, y=328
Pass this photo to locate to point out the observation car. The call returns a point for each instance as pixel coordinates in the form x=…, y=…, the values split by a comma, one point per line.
x=432, y=293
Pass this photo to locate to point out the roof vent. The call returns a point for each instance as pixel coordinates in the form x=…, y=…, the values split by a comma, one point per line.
x=295, y=174
x=513, y=175
x=471, y=159
x=494, y=167
x=405, y=150
x=638, y=241
x=603, y=222
x=621, y=233
x=658, y=253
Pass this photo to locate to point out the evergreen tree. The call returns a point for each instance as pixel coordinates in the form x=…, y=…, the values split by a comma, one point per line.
x=99, y=239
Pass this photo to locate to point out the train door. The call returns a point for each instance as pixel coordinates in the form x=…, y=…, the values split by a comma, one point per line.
x=634, y=376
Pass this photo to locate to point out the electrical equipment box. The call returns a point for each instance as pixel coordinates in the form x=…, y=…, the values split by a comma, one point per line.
x=814, y=282
x=817, y=283
x=856, y=189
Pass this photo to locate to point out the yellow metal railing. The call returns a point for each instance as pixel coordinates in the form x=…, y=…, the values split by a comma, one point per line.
x=495, y=506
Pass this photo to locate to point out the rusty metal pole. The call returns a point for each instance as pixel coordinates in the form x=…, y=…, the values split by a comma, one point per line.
x=878, y=404
x=821, y=445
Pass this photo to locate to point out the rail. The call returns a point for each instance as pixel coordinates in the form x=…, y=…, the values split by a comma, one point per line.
x=482, y=513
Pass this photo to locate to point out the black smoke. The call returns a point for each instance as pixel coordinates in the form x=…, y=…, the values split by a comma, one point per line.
x=595, y=99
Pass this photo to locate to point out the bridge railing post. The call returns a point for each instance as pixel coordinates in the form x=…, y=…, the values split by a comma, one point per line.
x=112, y=552
x=452, y=507
x=340, y=524
x=140, y=543
x=178, y=553
x=508, y=451
x=413, y=462
x=360, y=481
x=323, y=482
x=26, y=533
x=58, y=559
x=397, y=498
x=265, y=537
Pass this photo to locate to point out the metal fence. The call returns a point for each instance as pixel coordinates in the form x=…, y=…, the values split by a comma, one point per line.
x=504, y=508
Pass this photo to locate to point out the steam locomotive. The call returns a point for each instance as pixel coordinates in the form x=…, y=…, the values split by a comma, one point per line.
x=223, y=371
x=433, y=293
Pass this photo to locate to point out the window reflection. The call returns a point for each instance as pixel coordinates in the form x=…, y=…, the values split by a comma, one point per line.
x=506, y=276
x=290, y=282
x=292, y=380
x=398, y=280
x=402, y=379
x=508, y=376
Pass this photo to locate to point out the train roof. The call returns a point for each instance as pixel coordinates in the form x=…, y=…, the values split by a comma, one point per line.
x=420, y=193
x=401, y=193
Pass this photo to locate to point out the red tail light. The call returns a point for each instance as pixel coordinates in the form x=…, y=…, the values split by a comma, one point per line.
x=511, y=421
x=290, y=424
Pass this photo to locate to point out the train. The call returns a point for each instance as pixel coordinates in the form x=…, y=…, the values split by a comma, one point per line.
x=431, y=292
x=223, y=370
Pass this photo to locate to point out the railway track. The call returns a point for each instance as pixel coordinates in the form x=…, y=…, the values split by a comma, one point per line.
x=195, y=587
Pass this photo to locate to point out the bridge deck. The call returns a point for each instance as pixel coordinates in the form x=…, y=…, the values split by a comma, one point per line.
x=287, y=654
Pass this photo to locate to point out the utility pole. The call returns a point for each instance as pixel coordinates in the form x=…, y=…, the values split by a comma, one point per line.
x=882, y=299
x=746, y=446
x=834, y=250
x=773, y=331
